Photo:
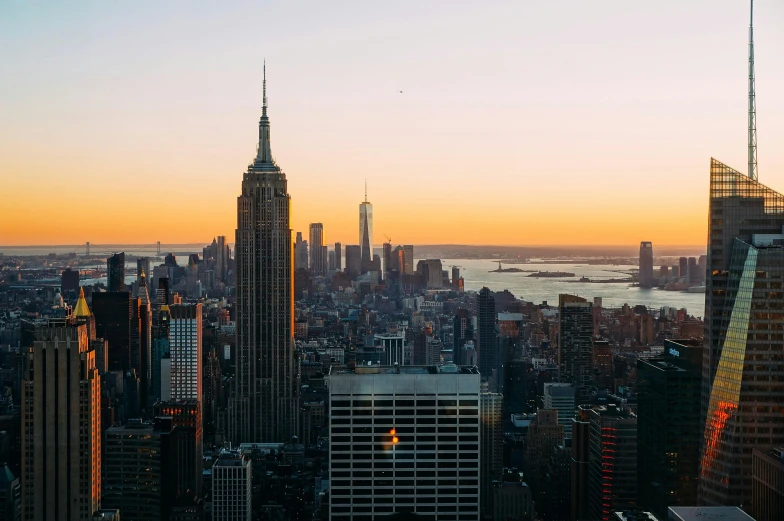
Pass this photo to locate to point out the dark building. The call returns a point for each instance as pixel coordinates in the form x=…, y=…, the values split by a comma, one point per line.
x=462, y=331
x=69, y=281
x=581, y=458
x=388, y=266
x=695, y=274
x=115, y=272
x=187, y=428
x=10, y=495
x=487, y=336
x=768, y=487
x=353, y=260
x=742, y=391
x=683, y=268
x=646, y=265
x=338, y=256
x=575, y=345
x=113, y=323
x=612, y=471
x=668, y=418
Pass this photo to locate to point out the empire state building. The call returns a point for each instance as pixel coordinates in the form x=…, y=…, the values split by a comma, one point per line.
x=264, y=402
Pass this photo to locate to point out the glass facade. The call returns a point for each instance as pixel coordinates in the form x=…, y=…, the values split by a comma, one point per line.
x=743, y=360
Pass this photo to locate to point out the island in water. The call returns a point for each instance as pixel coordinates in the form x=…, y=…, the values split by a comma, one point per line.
x=508, y=270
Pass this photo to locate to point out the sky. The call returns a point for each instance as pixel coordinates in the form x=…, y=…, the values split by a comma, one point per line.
x=519, y=122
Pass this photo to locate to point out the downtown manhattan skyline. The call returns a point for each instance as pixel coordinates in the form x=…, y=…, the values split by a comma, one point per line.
x=575, y=130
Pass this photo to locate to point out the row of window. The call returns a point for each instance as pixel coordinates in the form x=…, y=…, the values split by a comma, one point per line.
x=404, y=403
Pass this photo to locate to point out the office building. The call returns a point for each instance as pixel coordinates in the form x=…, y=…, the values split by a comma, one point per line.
x=113, y=323
x=353, y=260
x=232, y=487
x=404, y=439
x=387, y=257
x=491, y=424
x=142, y=356
x=185, y=351
x=575, y=345
x=768, y=488
x=744, y=306
x=581, y=459
x=560, y=397
x=394, y=347
x=487, y=337
x=683, y=268
x=544, y=435
x=338, y=256
x=318, y=262
x=512, y=500
x=695, y=277
x=612, y=474
x=300, y=253
x=462, y=332
x=264, y=403
x=668, y=420
x=186, y=441
x=115, y=272
x=135, y=470
x=408, y=259
x=331, y=261
x=645, y=276
x=366, y=231
x=69, y=281
x=61, y=425
x=142, y=266
x=431, y=272
x=702, y=513
x=10, y=495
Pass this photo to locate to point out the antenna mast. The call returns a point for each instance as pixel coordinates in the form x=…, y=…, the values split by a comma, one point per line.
x=753, y=169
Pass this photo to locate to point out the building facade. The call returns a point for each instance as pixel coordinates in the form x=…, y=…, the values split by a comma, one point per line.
x=404, y=439
x=744, y=344
x=487, y=335
x=232, y=487
x=366, y=231
x=768, y=487
x=264, y=403
x=560, y=397
x=645, y=276
x=575, y=345
x=318, y=262
x=185, y=351
x=61, y=426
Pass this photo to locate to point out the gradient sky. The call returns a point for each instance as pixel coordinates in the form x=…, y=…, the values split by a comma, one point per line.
x=557, y=122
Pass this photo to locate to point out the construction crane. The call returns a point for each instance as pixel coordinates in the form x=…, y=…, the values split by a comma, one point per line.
x=389, y=239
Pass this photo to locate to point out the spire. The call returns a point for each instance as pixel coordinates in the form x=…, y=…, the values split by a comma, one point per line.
x=81, y=309
x=264, y=151
x=753, y=170
x=365, y=189
x=143, y=293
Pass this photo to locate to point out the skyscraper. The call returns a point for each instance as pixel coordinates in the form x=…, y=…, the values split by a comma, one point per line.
x=491, y=423
x=462, y=331
x=487, y=336
x=316, y=243
x=115, y=272
x=560, y=397
x=113, y=323
x=646, y=264
x=404, y=438
x=353, y=260
x=142, y=266
x=300, y=253
x=232, y=487
x=264, y=404
x=144, y=369
x=338, y=256
x=366, y=230
x=742, y=392
x=185, y=350
x=61, y=425
x=408, y=259
x=575, y=343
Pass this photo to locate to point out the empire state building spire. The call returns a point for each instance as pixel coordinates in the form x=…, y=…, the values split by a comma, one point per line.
x=753, y=169
x=264, y=152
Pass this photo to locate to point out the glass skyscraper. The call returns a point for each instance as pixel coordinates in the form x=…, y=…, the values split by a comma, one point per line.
x=366, y=231
x=743, y=360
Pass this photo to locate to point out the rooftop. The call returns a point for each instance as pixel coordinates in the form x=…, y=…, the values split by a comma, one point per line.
x=708, y=514
x=410, y=369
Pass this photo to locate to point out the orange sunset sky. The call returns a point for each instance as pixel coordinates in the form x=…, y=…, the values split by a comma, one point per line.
x=559, y=122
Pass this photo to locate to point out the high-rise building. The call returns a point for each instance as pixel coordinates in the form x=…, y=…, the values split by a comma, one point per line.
x=544, y=435
x=113, y=324
x=185, y=350
x=366, y=230
x=387, y=257
x=69, y=281
x=353, y=260
x=61, y=425
x=185, y=465
x=462, y=331
x=331, y=261
x=10, y=495
x=142, y=266
x=394, y=347
x=612, y=475
x=560, y=397
x=408, y=259
x=115, y=272
x=232, y=487
x=487, y=336
x=581, y=459
x=669, y=428
x=768, y=488
x=300, y=253
x=135, y=471
x=144, y=354
x=264, y=405
x=404, y=438
x=431, y=272
x=744, y=307
x=575, y=344
x=683, y=268
x=316, y=243
x=338, y=256
x=491, y=422
x=695, y=277
x=646, y=264
x=222, y=258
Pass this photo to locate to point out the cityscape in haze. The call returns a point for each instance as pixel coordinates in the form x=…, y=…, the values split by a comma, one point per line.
x=472, y=278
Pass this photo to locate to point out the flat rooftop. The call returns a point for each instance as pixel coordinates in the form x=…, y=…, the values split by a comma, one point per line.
x=708, y=514
x=409, y=369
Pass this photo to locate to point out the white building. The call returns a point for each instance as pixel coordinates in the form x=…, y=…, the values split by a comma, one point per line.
x=393, y=347
x=404, y=438
x=560, y=396
x=231, y=487
x=185, y=351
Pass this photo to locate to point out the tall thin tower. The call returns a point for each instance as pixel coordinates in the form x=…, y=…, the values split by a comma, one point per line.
x=263, y=406
x=366, y=232
x=753, y=169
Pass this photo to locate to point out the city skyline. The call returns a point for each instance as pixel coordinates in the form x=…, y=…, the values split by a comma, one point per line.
x=462, y=109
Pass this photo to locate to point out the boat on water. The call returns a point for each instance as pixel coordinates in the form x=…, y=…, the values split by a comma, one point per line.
x=696, y=289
